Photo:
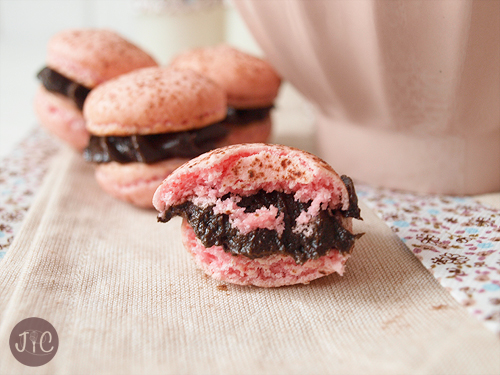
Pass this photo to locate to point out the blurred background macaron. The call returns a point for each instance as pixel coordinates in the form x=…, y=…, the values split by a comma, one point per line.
x=77, y=61
x=146, y=123
x=251, y=85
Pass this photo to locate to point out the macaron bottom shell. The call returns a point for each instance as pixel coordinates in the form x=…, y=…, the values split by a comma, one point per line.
x=135, y=182
x=61, y=117
x=270, y=271
x=255, y=132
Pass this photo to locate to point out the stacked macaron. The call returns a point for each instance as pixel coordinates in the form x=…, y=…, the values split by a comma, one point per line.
x=251, y=85
x=265, y=215
x=146, y=123
x=77, y=61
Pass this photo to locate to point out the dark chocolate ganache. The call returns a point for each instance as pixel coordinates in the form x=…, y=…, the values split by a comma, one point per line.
x=216, y=230
x=246, y=116
x=353, y=210
x=56, y=82
x=154, y=147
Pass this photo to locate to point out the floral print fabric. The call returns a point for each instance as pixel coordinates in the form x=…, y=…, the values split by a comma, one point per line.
x=457, y=239
x=21, y=174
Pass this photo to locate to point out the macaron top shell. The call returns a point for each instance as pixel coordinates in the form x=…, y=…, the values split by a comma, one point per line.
x=249, y=81
x=92, y=56
x=247, y=168
x=154, y=100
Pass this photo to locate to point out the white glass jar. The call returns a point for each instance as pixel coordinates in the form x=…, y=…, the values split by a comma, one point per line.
x=168, y=27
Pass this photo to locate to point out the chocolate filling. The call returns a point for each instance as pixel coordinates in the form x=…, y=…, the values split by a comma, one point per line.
x=56, y=82
x=353, y=210
x=246, y=116
x=216, y=230
x=154, y=147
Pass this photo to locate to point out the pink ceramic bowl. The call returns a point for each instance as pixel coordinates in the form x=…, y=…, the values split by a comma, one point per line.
x=407, y=93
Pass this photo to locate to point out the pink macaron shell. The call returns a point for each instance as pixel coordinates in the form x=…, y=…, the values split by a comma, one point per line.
x=154, y=100
x=270, y=271
x=255, y=132
x=92, y=56
x=135, y=182
x=245, y=169
x=250, y=82
x=60, y=116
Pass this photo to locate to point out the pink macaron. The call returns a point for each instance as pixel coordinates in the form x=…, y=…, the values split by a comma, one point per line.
x=77, y=61
x=264, y=215
x=146, y=123
x=251, y=84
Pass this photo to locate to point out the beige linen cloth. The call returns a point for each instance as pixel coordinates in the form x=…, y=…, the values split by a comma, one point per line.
x=125, y=298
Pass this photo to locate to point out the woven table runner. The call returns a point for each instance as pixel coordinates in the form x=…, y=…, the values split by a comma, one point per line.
x=125, y=298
